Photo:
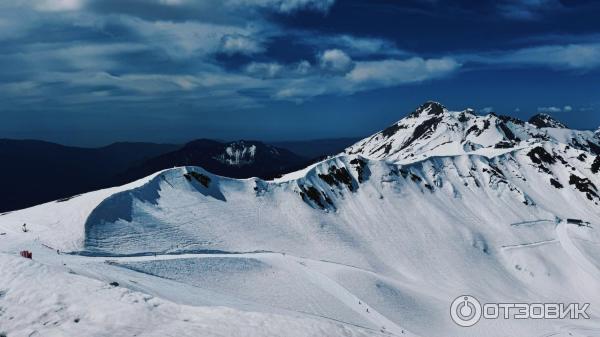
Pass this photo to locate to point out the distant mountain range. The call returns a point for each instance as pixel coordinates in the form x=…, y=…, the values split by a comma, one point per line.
x=36, y=171
x=239, y=159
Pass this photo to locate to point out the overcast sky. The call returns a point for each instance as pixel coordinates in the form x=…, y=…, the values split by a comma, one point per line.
x=90, y=72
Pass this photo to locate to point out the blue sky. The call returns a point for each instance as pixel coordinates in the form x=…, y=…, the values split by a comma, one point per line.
x=90, y=72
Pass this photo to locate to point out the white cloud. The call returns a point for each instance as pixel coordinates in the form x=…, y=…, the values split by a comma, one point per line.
x=352, y=45
x=92, y=56
x=12, y=27
x=283, y=6
x=240, y=44
x=140, y=83
x=548, y=109
x=295, y=82
x=335, y=61
x=361, y=45
x=50, y=57
x=526, y=9
x=172, y=2
x=394, y=72
x=17, y=88
x=487, y=109
x=368, y=75
x=554, y=109
x=286, y=6
x=188, y=49
x=264, y=70
x=185, y=39
x=303, y=67
x=571, y=56
x=58, y=5
x=302, y=89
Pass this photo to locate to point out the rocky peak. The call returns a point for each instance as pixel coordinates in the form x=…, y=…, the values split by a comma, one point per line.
x=543, y=120
x=510, y=119
x=429, y=108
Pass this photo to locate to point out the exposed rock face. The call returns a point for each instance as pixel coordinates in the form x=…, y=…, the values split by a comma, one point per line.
x=564, y=158
x=433, y=130
x=546, y=121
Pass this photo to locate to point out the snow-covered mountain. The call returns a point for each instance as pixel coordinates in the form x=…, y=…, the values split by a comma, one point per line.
x=431, y=131
x=238, y=159
x=377, y=240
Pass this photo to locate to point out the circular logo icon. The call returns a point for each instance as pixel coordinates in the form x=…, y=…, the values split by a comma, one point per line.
x=465, y=311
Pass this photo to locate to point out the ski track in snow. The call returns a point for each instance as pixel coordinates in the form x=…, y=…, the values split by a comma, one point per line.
x=530, y=244
x=352, y=301
x=317, y=278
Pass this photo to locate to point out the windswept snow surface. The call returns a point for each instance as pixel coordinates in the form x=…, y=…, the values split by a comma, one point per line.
x=72, y=305
x=378, y=240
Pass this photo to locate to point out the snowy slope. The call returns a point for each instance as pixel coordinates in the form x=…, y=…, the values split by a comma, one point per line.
x=59, y=222
x=78, y=306
x=377, y=240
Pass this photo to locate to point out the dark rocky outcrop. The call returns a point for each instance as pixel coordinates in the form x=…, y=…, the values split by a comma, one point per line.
x=337, y=176
x=434, y=108
x=543, y=120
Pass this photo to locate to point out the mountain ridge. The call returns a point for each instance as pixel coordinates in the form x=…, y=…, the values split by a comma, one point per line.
x=62, y=171
x=462, y=132
x=237, y=159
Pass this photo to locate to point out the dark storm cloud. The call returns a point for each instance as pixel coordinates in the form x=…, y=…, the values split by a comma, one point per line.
x=513, y=9
x=198, y=55
x=174, y=47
